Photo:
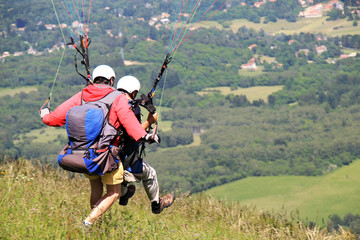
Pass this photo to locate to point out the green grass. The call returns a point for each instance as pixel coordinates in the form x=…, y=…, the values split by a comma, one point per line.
x=195, y=143
x=165, y=126
x=251, y=93
x=251, y=73
x=311, y=25
x=265, y=58
x=316, y=198
x=44, y=135
x=12, y=91
x=38, y=202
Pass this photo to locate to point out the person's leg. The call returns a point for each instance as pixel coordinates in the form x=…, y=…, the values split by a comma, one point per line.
x=113, y=182
x=150, y=182
x=151, y=186
x=96, y=187
x=127, y=191
x=112, y=194
x=97, y=190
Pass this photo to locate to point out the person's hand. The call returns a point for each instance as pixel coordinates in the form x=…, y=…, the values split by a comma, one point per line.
x=152, y=138
x=152, y=118
x=44, y=112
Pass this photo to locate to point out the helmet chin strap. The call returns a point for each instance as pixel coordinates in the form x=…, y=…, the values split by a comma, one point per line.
x=133, y=95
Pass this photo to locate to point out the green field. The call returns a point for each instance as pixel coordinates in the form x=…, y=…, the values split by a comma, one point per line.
x=311, y=25
x=316, y=198
x=12, y=91
x=251, y=93
x=44, y=135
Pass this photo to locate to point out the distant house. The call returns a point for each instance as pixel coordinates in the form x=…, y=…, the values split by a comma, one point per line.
x=16, y=54
x=165, y=21
x=321, y=49
x=318, y=10
x=165, y=15
x=302, y=3
x=343, y=56
x=305, y=51
x=337, y=4
x=108, y=31
x=252, y=46
x=50, y=26
x=151, y=23
x=5, y=54
x=313, y=11
x=77, y=24
x=250, y=65
x=258, y=4
x=32, y=51
x=158, y=26
x=291, y=41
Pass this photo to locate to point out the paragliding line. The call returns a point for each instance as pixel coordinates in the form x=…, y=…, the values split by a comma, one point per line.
x=188, y=35
x=61, y=59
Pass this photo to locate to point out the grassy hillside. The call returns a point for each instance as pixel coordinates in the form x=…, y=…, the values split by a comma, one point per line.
x=251, y=93
x=316, y=198
x=13, y=91
x=309, y=25
x=42, y=203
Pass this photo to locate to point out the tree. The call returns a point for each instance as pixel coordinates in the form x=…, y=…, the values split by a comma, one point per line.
x=20, y=23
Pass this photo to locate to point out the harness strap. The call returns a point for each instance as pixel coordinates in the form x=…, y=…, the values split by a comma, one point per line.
x=83, y=152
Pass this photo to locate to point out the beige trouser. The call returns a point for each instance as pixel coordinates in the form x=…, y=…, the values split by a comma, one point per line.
x=148, y=178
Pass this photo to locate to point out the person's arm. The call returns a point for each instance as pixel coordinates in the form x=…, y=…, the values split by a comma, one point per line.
x=57, y=118
x=151, y=119
x=127, y=118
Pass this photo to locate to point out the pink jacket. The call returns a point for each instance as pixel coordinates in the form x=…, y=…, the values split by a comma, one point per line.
x=120, y=112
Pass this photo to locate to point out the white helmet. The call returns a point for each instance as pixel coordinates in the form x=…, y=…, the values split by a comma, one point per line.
x=129, y=84
x=103, y=71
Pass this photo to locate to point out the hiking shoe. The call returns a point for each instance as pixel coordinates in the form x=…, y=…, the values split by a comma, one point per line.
x=130, y=192
x=164, y=202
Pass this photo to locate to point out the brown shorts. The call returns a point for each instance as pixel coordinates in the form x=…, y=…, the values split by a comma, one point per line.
x=111, y=178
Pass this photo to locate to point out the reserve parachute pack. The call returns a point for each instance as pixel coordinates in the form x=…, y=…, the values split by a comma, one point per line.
x=90, y=135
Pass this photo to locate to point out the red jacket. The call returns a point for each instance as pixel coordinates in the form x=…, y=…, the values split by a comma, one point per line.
x=120, y=112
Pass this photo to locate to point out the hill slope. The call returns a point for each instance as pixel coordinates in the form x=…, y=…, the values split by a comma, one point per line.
x=316, y=198
x=41, y=203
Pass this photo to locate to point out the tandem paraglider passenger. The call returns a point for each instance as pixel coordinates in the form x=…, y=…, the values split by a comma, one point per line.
x=136, y=169
x=93, y=118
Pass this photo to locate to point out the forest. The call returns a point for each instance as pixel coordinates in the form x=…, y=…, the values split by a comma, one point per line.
x=308, y=128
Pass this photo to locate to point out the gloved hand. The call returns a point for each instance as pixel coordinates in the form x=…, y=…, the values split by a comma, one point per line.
x=44, y=112
x=152, y=138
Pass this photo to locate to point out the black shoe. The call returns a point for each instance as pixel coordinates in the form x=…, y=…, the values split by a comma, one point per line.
x=165, y=202
x=130, y=192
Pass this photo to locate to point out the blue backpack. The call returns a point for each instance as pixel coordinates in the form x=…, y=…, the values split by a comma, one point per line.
x=90, y=135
